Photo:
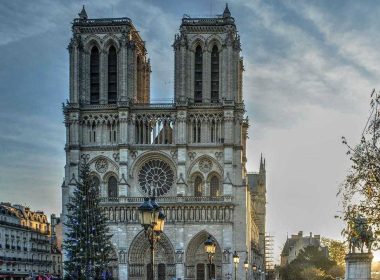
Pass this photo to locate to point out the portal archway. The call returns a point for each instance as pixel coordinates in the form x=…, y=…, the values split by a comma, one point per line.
x=139, y=258
x=197, y=262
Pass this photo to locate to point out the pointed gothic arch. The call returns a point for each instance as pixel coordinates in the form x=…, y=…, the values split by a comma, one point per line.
x=112, y=75
x=198, y=74
x=94, y=75
x=196, y=258
x=139, y=258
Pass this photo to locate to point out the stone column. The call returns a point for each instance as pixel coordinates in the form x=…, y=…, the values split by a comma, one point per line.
x=358, y=266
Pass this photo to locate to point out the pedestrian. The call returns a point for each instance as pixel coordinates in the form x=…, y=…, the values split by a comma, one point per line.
x=39, y=277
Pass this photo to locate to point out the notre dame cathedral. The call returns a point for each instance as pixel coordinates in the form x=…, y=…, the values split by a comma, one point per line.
x=190, y=154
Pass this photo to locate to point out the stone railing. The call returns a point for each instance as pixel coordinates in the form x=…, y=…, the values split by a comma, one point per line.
x=169, y=199
x=194, y=209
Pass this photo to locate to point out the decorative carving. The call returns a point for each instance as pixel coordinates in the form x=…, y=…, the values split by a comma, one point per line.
x=85, y=157
x=205, y=165
x=219, y=155
x=179, y=256
x=156, y=177
x=174, y=154
x=191, y=155
x=134, y=154
x=116, y=157
x=101, y=165
x=226, y=256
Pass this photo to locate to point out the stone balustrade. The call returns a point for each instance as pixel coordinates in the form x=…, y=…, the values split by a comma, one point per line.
x=177, y=209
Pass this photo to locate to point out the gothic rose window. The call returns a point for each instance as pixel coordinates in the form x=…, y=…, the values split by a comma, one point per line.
x=156, y=178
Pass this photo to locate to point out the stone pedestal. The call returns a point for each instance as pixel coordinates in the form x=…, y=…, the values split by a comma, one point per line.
x=358, y=266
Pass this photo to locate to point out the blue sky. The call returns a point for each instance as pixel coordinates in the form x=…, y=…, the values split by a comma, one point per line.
x=309, y=69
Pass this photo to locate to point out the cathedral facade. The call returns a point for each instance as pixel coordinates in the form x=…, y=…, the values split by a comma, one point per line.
x=190, y=154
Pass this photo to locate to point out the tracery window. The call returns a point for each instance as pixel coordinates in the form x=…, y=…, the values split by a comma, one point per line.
x=214, y=186
x=215, y=74
x=112, y=187
x=198, y=75
x=156, y=177
x=94, y=76
x=112, y=75
x=198, y=186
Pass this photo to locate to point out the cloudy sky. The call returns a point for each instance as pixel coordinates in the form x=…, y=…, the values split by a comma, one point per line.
x=309, y=69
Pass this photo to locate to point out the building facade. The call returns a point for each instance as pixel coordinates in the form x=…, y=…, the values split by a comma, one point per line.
x=298, y=242
x=190, y=154
x=25, y=242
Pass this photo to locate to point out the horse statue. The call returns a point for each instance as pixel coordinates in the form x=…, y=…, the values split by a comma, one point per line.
x=360, y=234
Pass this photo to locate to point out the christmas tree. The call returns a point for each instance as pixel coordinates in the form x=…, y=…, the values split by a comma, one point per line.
x=88, y=242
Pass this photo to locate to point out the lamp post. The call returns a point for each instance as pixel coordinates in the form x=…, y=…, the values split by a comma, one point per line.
x=210, y=248
x=152, y=220
x=236, y=259
x=246, y=265
x=254, y=269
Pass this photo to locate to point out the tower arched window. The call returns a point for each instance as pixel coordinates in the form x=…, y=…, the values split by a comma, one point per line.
x=198, y=65
x=112, y=187
x=94, y=76
x=112, y=75
x=214, y=186
x=198, y=186
x=215, y=74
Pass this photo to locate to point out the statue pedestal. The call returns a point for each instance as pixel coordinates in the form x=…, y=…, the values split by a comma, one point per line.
x=358, y=266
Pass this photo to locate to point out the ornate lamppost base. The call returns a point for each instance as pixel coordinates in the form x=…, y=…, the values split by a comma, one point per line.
x=358, y=266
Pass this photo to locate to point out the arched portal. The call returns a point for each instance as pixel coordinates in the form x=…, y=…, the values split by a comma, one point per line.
x=140, y=262
x=197, y=267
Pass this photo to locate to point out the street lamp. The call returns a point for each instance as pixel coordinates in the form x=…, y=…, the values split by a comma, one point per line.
x=236, y=259
x=246, y=265
x=254, y=269
x=210, y=248
x=152, y=220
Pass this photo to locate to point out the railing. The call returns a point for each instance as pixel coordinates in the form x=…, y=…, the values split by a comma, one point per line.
x=103, y=21
x=169, y=199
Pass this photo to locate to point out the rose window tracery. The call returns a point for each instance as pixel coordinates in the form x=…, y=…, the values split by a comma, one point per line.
x=156, y=177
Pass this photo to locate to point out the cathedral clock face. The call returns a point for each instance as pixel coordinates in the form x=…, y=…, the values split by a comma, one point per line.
x=155, y=177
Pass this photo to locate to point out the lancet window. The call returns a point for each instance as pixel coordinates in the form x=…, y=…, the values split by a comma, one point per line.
x=112, y=187
x=152, y=129
x=195, y=128
x=112, y=75
x=198, y=65
x=214, y=186
x=198, y=186
x=94, y=76
x=215, y=74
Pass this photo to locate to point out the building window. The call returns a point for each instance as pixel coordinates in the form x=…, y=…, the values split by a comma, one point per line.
x=112, y=75
x=214, y=186
x=198, y=75
x=112, y=187
x=94, y=76
x=215, y=74
x=198, y=186
x=96, y=182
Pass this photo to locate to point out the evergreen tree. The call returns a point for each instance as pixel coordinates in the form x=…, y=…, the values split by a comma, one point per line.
x=88, y=242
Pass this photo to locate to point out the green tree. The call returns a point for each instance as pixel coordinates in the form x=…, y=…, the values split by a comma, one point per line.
x=361, y=189
x=88, y=242
x=311, y=263
x=337, y=250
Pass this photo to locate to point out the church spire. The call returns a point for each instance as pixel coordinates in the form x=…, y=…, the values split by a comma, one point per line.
x=226, y=12
x=83, y=15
